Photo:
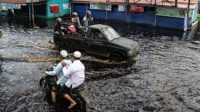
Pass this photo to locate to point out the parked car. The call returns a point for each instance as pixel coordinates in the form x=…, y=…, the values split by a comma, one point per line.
x=100, y=40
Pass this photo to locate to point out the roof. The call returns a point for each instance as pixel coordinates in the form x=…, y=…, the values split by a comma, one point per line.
x=19, y=1
x=180, y=3
x=99, y=26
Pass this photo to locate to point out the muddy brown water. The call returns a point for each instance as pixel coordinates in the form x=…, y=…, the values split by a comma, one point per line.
x=165, y=79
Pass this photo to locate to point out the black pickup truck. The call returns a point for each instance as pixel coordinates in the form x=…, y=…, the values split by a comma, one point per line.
x=100, y=40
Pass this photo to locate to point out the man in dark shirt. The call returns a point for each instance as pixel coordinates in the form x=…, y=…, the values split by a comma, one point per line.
x=57, y=27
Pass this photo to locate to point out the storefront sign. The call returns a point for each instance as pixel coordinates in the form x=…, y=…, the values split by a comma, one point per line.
x=121, y=7
x=5, y=6
x=54, y=8
x=28, y=1
x=136, y=9
x=100, y=6
x=171, y=12
x=66, y=6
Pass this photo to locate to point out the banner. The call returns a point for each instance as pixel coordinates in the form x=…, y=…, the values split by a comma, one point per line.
x=54, y=8
x=138, y=9
x=5, y=6
x=121, y=7
x=29, y=1
x=100, y=6
x=171, y=12
x=66, y=6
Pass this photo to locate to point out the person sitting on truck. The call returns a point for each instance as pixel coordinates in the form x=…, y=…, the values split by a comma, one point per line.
x=57, y=26
x=70, y=28
x=76, y=22
x=100, y=36
x=97, y=35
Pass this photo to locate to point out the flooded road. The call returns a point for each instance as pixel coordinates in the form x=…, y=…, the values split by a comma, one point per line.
x=19, y=80
x=165, y=79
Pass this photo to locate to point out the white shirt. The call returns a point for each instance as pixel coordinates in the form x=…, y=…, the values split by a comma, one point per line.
x=59, y=71
x=76, y=22
x=76, y=74
x=87, y=20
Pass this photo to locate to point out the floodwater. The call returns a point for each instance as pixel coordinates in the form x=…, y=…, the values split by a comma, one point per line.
x=165, y=79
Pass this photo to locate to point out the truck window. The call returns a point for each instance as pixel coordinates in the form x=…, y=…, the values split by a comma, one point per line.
x=97, y=35
x=110, y=33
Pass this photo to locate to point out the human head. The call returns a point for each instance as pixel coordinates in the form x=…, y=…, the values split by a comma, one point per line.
x=74, y=14
x=77, y=55
x=89, y=13
x=63, y=53
x=59, y=20
x=69, y=24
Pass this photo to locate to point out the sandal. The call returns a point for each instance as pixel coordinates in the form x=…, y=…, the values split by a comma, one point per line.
x=71, y=106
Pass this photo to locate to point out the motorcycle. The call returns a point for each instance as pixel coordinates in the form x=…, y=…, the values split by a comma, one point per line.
x=62, y=104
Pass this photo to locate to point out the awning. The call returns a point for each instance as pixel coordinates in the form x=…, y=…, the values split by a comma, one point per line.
x=19, y=1
x=180, y=4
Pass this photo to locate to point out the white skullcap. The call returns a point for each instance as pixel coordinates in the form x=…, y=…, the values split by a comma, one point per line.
x=77, y=54
x=75, y=13
x=59, y=19
x=64, y=53
x=89, y=12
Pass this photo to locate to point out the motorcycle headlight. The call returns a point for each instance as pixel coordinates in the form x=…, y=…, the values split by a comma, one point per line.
x=130, y=52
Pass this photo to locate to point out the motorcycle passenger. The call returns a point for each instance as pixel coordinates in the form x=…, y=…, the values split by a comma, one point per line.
x=87, y=19
x=76, y=74
x=76, y=22
x=57, y=26
x=59, y=73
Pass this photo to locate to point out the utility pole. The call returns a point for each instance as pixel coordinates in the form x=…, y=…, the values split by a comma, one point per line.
x=33, y=18
x=176, y=3
x=186, y=18
x=188, y=12
x=128, y=10
x=155, y=17
x=107, y=2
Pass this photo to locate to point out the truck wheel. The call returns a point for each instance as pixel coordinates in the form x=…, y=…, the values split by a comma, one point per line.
x=115, y=57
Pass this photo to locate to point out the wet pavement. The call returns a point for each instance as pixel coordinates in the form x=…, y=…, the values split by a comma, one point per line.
x=165, y=79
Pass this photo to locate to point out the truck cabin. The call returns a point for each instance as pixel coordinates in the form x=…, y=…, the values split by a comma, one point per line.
x=102, y=32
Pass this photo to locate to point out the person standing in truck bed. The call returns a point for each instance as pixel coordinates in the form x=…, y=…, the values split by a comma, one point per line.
x=76, y=22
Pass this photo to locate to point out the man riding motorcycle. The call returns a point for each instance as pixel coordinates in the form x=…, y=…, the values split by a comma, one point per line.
x=76, y=74
x=70, y=78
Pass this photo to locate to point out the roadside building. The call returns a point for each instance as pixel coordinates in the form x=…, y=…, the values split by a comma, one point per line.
x=198, y=15
x=18, y=10
x=52, y=8
x=42, y=8
x=175, y=14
